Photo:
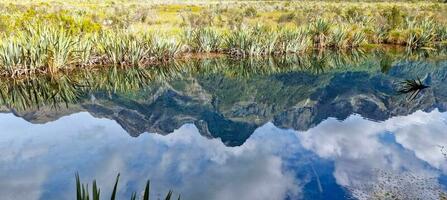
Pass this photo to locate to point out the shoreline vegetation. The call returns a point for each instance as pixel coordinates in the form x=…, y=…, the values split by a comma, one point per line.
x=83, y=193
x=63, y=89
x=49, y=37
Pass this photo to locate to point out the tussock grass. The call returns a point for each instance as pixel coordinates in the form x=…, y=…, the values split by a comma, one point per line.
x=82, y=191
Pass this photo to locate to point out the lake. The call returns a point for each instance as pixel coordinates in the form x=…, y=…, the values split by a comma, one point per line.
x=319, y=126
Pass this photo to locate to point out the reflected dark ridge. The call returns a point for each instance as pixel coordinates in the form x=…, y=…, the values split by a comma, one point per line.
x=222, y=96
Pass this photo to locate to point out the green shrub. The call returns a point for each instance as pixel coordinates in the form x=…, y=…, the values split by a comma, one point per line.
x=250, y=12
x=284, y=18
x=395, y=17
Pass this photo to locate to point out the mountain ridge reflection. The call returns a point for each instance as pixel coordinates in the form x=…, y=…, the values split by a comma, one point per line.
x=320, y=126
x=223, y=96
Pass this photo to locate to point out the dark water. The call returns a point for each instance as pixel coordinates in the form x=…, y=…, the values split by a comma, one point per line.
x=316, y=127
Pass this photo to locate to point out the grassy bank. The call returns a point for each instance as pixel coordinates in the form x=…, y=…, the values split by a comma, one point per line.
x=46, y=37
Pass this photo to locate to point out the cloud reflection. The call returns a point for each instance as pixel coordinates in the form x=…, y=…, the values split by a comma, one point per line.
x=184, y=161
x=42, y=159
x=363, y=149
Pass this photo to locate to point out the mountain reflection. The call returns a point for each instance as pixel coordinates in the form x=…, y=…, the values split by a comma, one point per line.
x=319, y=126
x=223, y=96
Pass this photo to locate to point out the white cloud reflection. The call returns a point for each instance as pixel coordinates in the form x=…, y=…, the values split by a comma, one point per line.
x=42, y=159
x=359, y=147
x=192, y=165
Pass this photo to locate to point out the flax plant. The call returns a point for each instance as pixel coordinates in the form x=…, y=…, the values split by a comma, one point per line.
x=320, y=31
x=163, y=48
x=82, y=191
x=203, y=39
x=86, y=51
x=61, y=49
x=339, y=37
x=421, y=35
x=356, y=39
x=292, y=41
x=113, y=46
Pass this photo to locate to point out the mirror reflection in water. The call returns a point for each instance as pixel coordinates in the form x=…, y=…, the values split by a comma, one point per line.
x=317, y=126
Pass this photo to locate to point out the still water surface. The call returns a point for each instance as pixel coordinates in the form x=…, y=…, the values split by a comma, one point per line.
x=223, y=129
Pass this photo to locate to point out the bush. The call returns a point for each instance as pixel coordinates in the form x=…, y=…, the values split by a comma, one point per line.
x=286, y=18
x=250, y=12
x=395, y=17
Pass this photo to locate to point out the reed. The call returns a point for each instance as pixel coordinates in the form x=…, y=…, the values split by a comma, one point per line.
x=241, y=43
x=114, y=47
x=125, y=49
x=441, y=33
x=58, y=90
x=11, y=57
x=61, y=48
x=29, y=93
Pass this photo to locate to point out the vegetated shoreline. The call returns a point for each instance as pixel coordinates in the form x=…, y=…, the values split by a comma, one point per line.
x=45, y=38
x=48, y=50
x=198, y=56
x=68, y=86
